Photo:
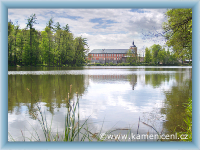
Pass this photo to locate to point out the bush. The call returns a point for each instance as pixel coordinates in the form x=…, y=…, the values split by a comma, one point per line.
x=97, y=64
x=111, y=64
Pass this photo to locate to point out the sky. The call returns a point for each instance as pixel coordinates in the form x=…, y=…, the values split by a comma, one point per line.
x=103, y=28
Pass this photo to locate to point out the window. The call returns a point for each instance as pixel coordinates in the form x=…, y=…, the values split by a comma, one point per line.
x=114, y=58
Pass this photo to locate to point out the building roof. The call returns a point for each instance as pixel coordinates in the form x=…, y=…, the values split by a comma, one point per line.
x=111, y=51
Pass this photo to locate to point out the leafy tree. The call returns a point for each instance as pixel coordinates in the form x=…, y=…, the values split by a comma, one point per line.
x=131, y=57
x=79, y=57
x=148, y=56
x=178, y=30
x=162, y=56
x=31, y=21
x=155, y=50
x=66, y=28
x=10, y=42
x=53, y=45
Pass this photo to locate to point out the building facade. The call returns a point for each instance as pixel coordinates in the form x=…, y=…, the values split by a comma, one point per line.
x=111, y=55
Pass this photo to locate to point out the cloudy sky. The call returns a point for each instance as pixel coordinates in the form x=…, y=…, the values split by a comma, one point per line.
x=103, y=28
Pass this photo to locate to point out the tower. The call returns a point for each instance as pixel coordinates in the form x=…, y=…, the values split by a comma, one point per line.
x=134, y=48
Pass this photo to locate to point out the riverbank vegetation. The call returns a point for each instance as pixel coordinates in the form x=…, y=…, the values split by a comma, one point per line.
x=187, y=129
x=54, y=46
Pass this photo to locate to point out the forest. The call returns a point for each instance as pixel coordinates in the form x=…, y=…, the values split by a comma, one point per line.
x=55, y=46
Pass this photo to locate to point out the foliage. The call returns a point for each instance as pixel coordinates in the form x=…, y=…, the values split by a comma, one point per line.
x=188, y=121
x=156, y=55
x=55, y=46
x=130, y=57
x=178, y=32
x=148, y=56
x=155, y=49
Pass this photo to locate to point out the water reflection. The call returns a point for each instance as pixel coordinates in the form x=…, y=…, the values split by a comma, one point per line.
x=53, y=90
x=116, y=97
x=174, y=107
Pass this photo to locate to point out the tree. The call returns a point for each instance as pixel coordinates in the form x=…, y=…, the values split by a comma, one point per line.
x=162, y=56
x=10, y=42
x=178, y=32
x=79, y=57
x=148, y=56
x=54, y=44
x=131, y=57
x=155, y=50
x=30, y=24
x=66, y=28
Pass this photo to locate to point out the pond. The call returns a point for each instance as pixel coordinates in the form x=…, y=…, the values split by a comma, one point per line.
x=110, y=97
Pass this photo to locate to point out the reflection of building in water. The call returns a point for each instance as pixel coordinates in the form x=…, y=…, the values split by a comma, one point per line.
x=97, y=78
x=113, y=78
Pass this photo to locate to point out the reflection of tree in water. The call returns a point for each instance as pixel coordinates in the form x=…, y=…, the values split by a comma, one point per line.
x=133, y=80
x=156, y=79
x=174, y=108
x=45, y=88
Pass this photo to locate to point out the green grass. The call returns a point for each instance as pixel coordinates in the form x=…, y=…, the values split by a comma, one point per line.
x=187, y=130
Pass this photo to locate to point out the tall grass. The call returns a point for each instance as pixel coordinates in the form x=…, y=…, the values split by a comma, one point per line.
x=187, y=131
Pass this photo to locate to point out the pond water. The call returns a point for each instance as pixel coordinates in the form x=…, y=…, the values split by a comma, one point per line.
x=109, y=97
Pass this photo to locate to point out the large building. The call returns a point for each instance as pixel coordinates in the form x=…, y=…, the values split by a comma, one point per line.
x=111, y=55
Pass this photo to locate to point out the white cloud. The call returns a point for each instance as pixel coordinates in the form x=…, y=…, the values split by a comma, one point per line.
x=113, y=28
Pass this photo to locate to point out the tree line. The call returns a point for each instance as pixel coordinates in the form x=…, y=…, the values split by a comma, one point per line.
x=156, y=54
x=55, y=46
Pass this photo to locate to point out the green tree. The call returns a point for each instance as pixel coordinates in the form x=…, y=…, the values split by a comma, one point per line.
x=148, y=56
x=80, y=50
x=10, y=42
x=162, y=56
x=178, y=30
x=131, y=57
x=155, y=50
x=31, y=21
x=53, y=45
x=68, y=46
